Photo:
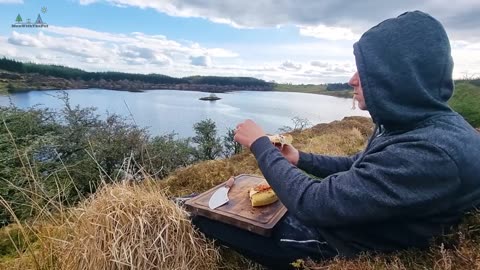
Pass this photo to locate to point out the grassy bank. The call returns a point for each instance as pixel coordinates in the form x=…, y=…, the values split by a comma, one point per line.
x=3, y=88
x=312, y=89
x=134, y=225
x=467, y=92
x=105, y=230
x=466, y=101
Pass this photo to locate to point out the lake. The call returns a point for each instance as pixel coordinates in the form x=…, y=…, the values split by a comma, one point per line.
x=164, y=111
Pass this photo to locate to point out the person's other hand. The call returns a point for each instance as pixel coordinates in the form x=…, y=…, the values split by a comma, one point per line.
x=248, y=132
x=290, y=153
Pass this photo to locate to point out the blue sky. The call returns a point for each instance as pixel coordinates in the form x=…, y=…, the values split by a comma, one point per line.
x=286, y=41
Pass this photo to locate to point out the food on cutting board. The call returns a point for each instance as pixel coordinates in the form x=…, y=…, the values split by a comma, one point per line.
x=261, y=195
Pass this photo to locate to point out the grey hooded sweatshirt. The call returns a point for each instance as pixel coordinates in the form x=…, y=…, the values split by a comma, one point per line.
x=421, y=169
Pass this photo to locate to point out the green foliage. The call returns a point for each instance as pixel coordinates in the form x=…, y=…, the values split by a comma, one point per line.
x=67, y=154
x=11, y=65
x=475, y=82
x=217, y=80
x=338, y=86
x=208, y=145
x=303, y=88
x=12, y=240
x=10, y=87
x=20, y=135
x=313, y=89
x=465, y=101
x=231, y=147
x=78, y=74
x=63, y=151
x=166, y=153
x=116, y=140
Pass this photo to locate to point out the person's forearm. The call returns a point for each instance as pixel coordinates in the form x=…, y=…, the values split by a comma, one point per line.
x=366, y=193
x=323, y=165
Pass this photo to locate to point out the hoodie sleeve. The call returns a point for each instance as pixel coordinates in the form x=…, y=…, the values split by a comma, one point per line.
x=400, y=180
x=323, y=165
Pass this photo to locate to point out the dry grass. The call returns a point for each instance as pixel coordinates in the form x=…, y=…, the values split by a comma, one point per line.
x=137, y=227
x=461, y=250
x=128, y=227
x=344, y=137
x=121, y=227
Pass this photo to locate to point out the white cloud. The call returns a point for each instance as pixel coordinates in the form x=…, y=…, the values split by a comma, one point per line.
x=25, y=40
x=87, y=2
x=314, y=61
x=69, y=44
x=466, y=56
x=87, y=48
x=339, y=70
x=344, y=15
x=203, y=60
x=319, y=64
x=153, y=42
x=131, y=53
x=328, y=33
x=219, y=52
x=290, y=66
x=11, y=1
x=88, y=33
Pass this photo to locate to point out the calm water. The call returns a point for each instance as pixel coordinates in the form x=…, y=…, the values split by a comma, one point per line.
x=164, y=111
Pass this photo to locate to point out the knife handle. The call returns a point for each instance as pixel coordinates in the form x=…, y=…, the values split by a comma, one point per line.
x=230, y=181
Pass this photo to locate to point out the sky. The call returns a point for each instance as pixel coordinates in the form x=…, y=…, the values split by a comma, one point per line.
x=285, y=41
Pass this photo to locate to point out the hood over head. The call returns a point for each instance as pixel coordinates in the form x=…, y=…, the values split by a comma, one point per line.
x=405, y=68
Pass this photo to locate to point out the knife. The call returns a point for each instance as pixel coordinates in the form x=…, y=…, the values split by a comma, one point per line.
x=220, y=196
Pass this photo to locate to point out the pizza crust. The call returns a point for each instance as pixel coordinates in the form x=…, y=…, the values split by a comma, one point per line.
x=281, y=139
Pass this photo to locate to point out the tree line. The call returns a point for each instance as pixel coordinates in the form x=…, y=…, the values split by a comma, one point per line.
x=78, y=74
x=338, y=86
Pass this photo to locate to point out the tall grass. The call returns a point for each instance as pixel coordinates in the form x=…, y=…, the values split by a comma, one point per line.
x=132, y=227
x=136, y=226
x=122, y=226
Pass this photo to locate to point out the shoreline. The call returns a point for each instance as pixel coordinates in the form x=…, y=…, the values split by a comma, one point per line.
x=15, y=83
x=339, y=94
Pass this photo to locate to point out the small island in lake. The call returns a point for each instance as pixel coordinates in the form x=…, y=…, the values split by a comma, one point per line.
x=211, y=97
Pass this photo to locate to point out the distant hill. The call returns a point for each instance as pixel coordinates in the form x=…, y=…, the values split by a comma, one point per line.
x=30, y=76
x=19, y=76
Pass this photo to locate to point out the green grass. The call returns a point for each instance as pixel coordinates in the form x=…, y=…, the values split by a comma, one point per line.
x=465, y=101
x=312, y=89
x=17, y=85
x=304, y=88
x=3, y=88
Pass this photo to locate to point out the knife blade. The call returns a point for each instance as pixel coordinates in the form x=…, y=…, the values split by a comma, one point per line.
x=220, y=196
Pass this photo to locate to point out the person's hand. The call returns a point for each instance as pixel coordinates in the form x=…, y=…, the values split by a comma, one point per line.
x=248, y=132
x=290, y=153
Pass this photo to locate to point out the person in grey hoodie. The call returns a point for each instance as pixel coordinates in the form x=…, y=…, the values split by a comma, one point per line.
x=416, y=178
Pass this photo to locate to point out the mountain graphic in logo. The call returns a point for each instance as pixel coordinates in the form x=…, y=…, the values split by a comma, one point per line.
x=39, y=23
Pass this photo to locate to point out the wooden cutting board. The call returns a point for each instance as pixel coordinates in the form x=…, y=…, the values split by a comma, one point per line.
x=239, y=210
